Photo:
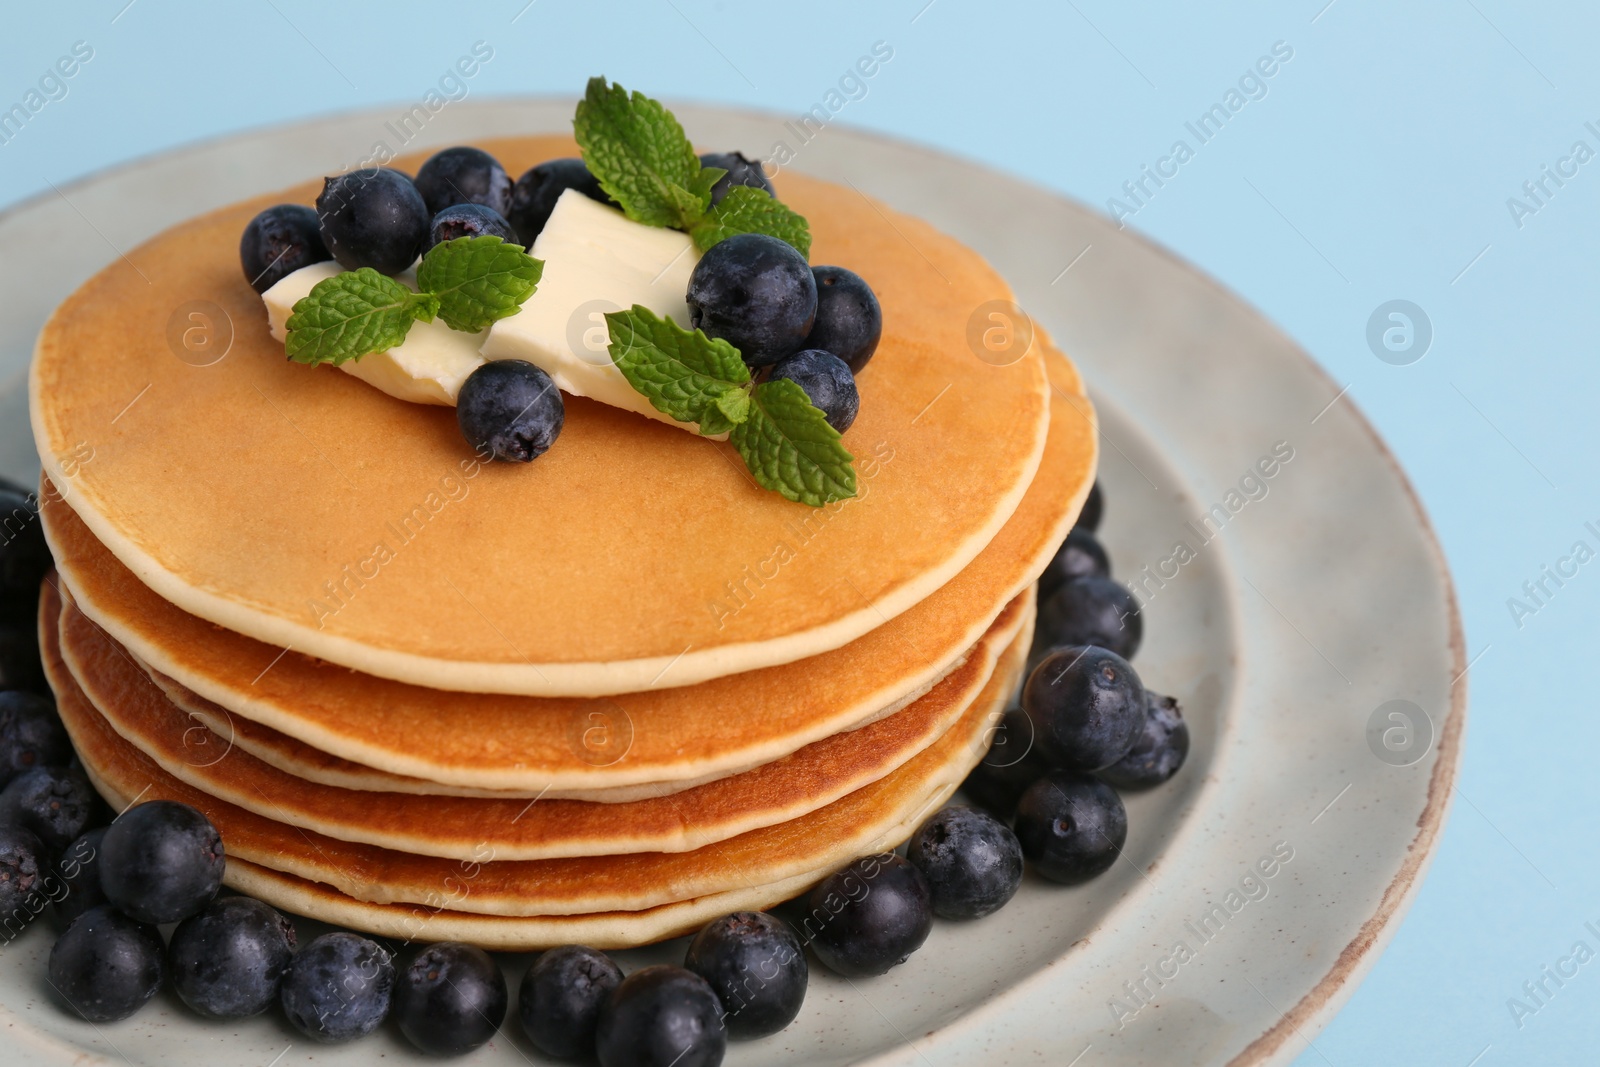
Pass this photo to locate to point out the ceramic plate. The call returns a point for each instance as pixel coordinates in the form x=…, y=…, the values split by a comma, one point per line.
x=1296, y=602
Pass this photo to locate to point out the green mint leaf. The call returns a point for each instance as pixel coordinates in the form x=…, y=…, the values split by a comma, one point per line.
x=641, y=156
x=351, y=314
x=478, y=280
x=682, y=372
x=790, y=448
x=749, y=210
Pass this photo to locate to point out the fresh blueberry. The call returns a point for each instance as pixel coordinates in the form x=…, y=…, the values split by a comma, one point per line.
x=536, y=192
x=827, y=381
x=468, y=220
x=1071, y=826
x=22, y=863
x=756, y=965
x=849, y=321
x=24, y=556
x=161, y=862
x=373, y=218
x=741, y=171
x=1013, y=763
x=338, y=988
x=1094, y=507
x=870, y=916
x=661, y=1016
x=972, y=861
x=228, y=961
x=20, y=666
x=464, y=175
x=510, y=409
x=31, y=734
x=278, y=242
x=1080, y=556
x=106, y=965
x=1087, y=707
x=1090, y=611
x=1162, y=746
x=755, y=292
x=79, y=872
x=560, y=998
x=450, y=999
x=52, y=803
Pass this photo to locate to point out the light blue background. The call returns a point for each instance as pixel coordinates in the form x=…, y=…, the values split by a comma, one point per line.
x=1378, y=166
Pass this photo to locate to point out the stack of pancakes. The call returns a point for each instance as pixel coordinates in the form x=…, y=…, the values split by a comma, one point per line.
x=604, y=697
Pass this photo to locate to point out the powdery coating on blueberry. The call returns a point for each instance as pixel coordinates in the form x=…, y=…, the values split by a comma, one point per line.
x=827, y=382
x=973, y=862
x=31, y=735
x=338, y=988
x=161, y=862
x=78, y=870
x=870, y=916
x=1094, y=507
x=757, y=967
x=560, y=999
x=741, y=169
x=106, y=966
x=24, y=555
x=1091, y=611
x=755, y=292
x=20, y=666
x=468, y=220
x=1071, y=826
x=450, y=999
x=1159, y=751
x=510, y=409
x=21, y=863
x=464, y=175
x=373, y=218
x=52, y=803
x=849, y=320
x=1087, y=707
x=278, y=242
x=661, y=1016
x=534, y=196
x=1013, y=763
x=228, y=962
x=1080, y=556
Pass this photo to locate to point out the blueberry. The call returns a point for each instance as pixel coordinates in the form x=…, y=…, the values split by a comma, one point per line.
x=228, y=961
x=755, y=292
x=849, y=321
x=1094, y=507
x=52, y=803
x=1013, y=763
x=1159, y=751
x=661, y=1016
x=373, y=218
x=827, y=381
x=24, y=555
x=1080, y=556
x=79, y=872
x=278, y=242
x=741, y=171
x=510, y=409
x=560, y=999
x=756, y=965
x=31, y=734
x=464, y=175
x=20, y=666
x=870, y=916
x=450, y=999
x=468, y=220
x=972, y=861
x=106, y=965
x=22, y=866
x=1087, y=706
x=1090, y=611
x=536, y=192
x=161, y=862
x=338, y=988
x=1071, y=826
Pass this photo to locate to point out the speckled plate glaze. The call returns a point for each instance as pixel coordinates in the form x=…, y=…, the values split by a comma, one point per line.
x=1305, y=619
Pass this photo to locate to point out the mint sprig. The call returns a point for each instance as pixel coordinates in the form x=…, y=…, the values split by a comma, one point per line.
x=348, y=315
x=783, y=438
x=478, y=280
x=644, y=161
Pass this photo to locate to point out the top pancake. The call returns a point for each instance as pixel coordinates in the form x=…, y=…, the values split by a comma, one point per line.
x=258, y=494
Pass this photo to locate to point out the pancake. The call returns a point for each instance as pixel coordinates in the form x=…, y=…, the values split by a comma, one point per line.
x=478, y=743
x=306, y=509
x=518, y=829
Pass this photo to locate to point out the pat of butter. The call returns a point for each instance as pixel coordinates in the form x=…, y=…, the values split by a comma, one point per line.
x=428, y=368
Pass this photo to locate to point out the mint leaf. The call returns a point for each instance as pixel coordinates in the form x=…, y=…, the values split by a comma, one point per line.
x=478, y=280
x=348, y=315
x=749, y=210
x=641, y=156
x=790, y=448
x=682, y=372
